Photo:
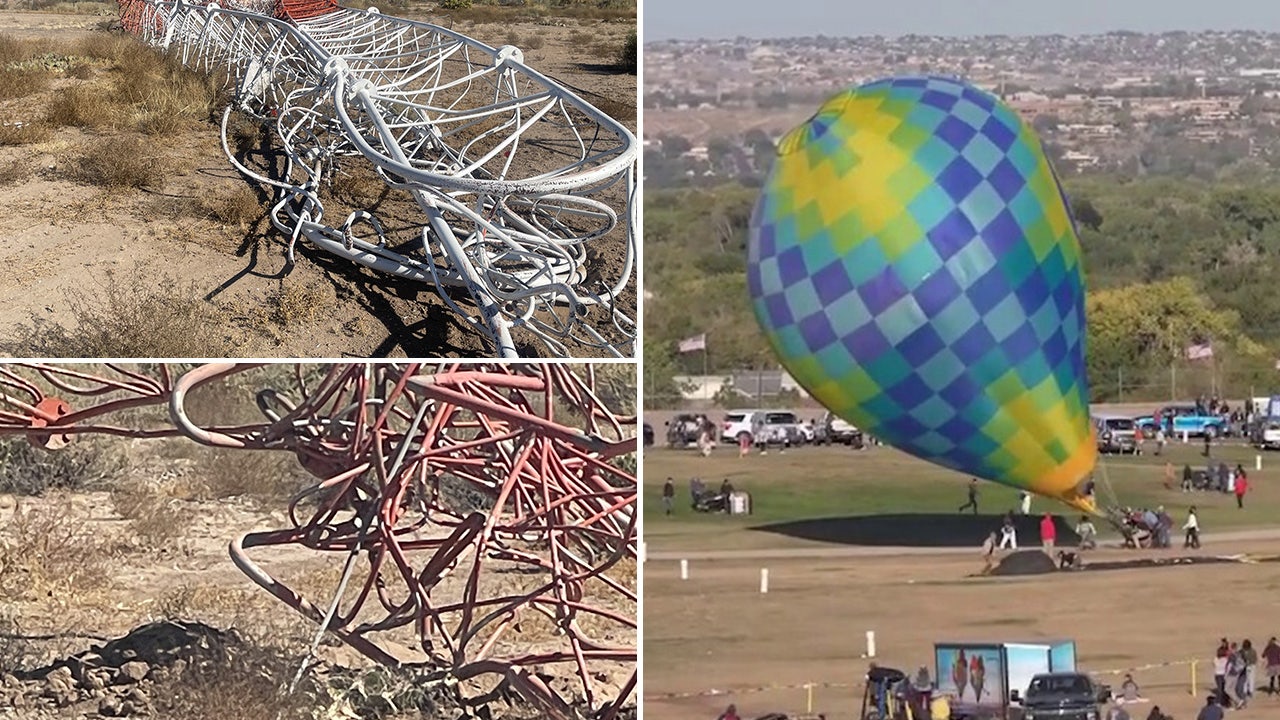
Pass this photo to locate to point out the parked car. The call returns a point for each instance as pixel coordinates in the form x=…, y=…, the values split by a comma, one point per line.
x=1116, y=434
x=1178, y=419
x=839, y=430
x=1266, y=434
x=772, y=427
x=683, y=430
x=648, y=435
x=1062, y=696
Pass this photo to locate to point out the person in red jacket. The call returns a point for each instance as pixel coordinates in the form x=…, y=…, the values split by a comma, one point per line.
x=1048, y=533
x=1242, y=487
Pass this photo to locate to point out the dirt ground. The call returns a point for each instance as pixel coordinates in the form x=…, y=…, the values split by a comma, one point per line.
x=58, y=236
x=714, y=639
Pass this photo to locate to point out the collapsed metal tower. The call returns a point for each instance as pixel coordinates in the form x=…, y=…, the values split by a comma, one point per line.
x=519, y=180
x=437, y=486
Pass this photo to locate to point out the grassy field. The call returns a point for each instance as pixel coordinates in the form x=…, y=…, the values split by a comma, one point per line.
x=816, y=482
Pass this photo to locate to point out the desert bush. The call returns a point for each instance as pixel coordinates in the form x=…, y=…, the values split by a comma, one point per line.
x=46, y=552
x=82, y=465
x=238, y=685
x=154, y=517
x=118, y=162
x=264, y=476
x=85, y=106
x=455, y=4
x=238, y=208
x=112, y=47
x=137, y=314
x=627, y=56
x=16, y=50
x=24, y=134
x=20, y=83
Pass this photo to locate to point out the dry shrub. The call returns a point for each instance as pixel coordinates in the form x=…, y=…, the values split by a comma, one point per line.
x=16, y=50
x=265, y=476
x=360, y=187
x=295, y=303
x=244, y=133
x=155, y=518
x=82, y=465
x=165, y=95
x=84, y=106
x=24, y=134
x=112, y=47
x=16, y=171
x=20, y=83
x=46, y=552
x=119, y=163
x=135, y=315
x=239, y=686
x=238, y=209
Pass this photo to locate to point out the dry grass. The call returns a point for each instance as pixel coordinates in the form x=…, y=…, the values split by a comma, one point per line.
x=25, y=134
x=20, y=83
x=106, y=46
x=16, y=50
x=237, y=209
x=16, y=171
x=83, y=465
x=137, y=314
x=265, y=476
x=119, y=162
x=83, y=106
x=47, y=553
x=156, y=519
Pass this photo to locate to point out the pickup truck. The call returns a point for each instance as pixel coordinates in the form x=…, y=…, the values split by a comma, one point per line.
x=1184, y=418
x=1062, y=696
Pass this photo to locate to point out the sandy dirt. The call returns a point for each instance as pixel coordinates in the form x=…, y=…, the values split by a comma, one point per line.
x=58, y=236
x=714, y=639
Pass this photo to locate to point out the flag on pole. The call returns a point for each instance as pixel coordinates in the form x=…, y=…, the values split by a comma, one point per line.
x=1199, y=352
x=694, y=344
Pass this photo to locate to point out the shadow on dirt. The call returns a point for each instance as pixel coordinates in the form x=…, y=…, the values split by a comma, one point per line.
x=916, y=530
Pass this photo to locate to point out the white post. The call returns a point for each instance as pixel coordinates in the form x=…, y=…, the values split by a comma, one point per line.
x=871, y=643
x=1257, y=462
x=1185, y=436
x=684, y=569
x=764, y=580
x=641, y=552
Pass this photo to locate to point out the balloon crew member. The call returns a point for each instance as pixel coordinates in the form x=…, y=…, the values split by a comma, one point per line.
x=1192, y=528
x=1242, y=487
x=668, y=496
x=1008, y=534
x=1048, y=533
x=972, y=502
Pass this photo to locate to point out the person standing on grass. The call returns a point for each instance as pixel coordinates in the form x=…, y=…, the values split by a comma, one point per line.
x=1168, y=476
x=1024, y=502
x=972, y=502
x=1271, y=655
x=669, y=496
x=1088, y=533
x=1008, y=534
x=730, y=713
x=1048, y=533
x=1192, y=529
x=1242, y=487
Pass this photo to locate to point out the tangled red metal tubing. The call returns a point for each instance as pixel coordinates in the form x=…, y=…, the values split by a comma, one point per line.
x=466, y=500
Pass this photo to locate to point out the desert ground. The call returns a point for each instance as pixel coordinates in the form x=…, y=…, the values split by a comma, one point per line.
x=714, y=639
x=118, y=597
x=188, y=246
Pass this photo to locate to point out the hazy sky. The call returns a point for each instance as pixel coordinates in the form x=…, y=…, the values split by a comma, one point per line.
x=687, y=19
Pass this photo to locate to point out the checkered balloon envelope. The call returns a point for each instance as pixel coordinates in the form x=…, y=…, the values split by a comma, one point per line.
x=913, y=262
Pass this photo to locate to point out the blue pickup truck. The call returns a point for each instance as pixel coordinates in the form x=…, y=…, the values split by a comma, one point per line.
x=1178, y=419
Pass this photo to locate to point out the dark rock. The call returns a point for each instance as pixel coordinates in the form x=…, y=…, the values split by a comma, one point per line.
x=110, y=706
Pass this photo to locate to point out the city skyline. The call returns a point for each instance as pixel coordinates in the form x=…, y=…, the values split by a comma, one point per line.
x=718, y=19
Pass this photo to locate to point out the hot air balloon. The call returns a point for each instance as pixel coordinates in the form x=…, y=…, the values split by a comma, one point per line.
x=914, y=265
